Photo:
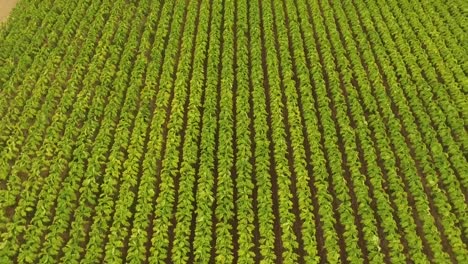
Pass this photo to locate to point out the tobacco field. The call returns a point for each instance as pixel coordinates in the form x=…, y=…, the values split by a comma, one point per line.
x=234, y=131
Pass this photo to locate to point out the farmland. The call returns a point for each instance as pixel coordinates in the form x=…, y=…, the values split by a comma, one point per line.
x=234, y=131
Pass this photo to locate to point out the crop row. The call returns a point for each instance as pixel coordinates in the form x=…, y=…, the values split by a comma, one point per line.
x=292, y=131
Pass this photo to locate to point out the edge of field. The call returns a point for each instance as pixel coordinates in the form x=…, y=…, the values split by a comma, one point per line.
x=5, y=9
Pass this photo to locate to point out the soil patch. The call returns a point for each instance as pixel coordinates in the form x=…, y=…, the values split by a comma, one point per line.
x=5, y=8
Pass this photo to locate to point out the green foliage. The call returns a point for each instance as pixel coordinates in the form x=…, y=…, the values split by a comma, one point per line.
x=288, y=131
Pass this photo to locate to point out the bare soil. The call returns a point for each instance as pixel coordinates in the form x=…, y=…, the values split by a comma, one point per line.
x=5, y=8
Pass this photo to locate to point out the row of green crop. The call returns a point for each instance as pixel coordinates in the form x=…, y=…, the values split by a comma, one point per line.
x=73, y=169
x=34, y=140
x=398, y=98
x=202, y=233
x=169, y=173
x=99, y=182
x=360, y=194
x=191, y=131
x=30, y=189
x=25, y=44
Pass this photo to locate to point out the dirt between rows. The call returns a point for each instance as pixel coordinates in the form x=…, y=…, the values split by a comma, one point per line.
x=5, y=8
